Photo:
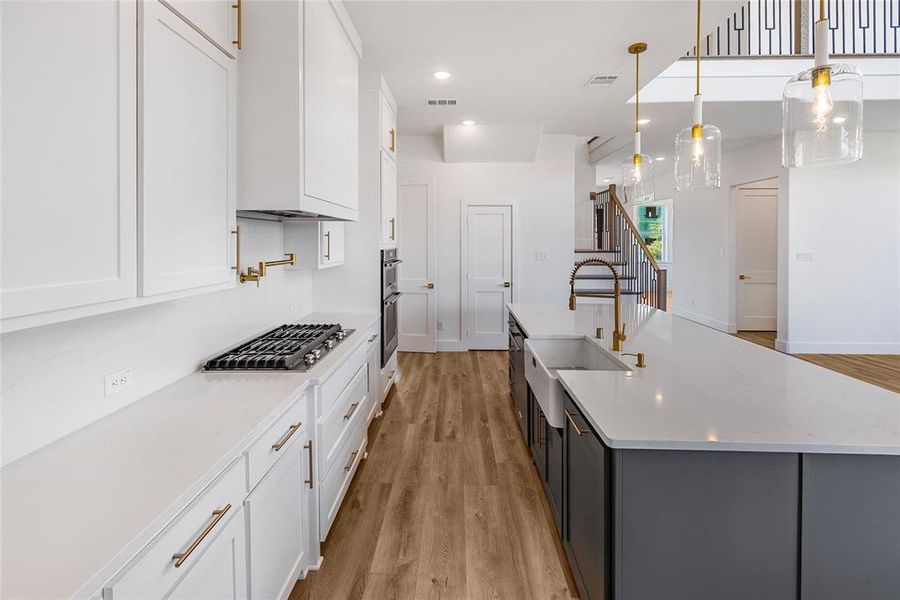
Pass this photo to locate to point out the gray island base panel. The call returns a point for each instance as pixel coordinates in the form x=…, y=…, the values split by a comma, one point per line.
x=684, y=524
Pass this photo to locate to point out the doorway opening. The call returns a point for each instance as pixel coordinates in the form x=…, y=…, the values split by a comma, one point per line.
x=755, y=210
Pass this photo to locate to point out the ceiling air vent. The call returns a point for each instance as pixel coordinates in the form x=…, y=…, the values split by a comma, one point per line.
x=601, y=80
x=441, y=102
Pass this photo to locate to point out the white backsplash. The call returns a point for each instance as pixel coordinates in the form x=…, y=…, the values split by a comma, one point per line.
x=52, y=376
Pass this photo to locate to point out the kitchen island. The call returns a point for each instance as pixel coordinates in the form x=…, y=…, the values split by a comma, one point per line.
x=720, y=470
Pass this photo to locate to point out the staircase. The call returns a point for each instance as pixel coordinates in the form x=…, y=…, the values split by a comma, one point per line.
x=616, y=239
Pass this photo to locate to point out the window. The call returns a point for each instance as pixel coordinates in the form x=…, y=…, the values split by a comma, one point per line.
x=652, y=221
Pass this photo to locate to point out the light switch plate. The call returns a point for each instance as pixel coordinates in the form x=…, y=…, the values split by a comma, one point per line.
x=804, y=256
x=542, y=255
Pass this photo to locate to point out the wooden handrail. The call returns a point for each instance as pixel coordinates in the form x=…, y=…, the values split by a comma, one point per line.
x=633, y=228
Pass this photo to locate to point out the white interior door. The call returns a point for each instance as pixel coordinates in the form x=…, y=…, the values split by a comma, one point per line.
x=489, y=275
x=415, y=247
x=757, y=258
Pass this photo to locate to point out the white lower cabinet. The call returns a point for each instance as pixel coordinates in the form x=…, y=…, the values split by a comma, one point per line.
x=374, y=363
x=277, y=527
x=207, y=535
x=221, y=572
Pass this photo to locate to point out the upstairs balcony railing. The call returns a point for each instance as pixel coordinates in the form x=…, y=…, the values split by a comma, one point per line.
x=766, y=28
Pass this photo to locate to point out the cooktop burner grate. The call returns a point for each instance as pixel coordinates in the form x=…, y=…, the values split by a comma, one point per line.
x=282, y=348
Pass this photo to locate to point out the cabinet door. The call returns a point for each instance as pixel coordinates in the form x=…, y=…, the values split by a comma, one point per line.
x=586, y=530
x=276, y=525
x=554, y=438
x=538, y=436
x=188, y=143
x=68, y=154
x=331, y=243
x=331, y=107
x=215, y=18
x=388, y=127
x=221, y=572
x=388, y=201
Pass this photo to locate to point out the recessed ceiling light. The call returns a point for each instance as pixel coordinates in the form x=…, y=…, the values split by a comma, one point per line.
x=838, y=120
x=442, y=75
x=607, y=180
x=468, y=123
x=643, y=121
x=658, y=158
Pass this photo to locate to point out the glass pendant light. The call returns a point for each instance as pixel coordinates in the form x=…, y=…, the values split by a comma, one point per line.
x=698, y=148
x=637, y=170
x=822, y=110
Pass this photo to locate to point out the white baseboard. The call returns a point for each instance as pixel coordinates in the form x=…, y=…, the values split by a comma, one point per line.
x=451, y=346
x=704, y=320
x=839, y=348
x=781, y=345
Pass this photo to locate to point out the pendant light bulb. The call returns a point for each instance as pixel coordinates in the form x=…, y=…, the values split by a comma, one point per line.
x=810, y=136
x=698, y=148
x=637, y=170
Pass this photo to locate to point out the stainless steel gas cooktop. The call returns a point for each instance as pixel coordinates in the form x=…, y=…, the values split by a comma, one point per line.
x=287, y=347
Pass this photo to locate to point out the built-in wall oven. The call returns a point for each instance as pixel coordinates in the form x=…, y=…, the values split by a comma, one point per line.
x=390, y=293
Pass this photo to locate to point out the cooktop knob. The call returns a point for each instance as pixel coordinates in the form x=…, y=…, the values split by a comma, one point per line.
x=330, y=343
x=309, y=359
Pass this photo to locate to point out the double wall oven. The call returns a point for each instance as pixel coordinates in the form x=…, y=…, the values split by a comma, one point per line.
x=390, y=293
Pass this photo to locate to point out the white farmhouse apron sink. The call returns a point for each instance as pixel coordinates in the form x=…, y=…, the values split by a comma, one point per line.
x=543, y=358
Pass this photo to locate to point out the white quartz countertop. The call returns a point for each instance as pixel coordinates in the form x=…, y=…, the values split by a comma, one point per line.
x=706, y=390
x=71, y=509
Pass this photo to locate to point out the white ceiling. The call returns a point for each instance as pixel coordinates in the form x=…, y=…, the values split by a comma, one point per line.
x=523, y=62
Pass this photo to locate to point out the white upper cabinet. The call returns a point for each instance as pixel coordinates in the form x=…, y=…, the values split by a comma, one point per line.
x=299, y=116
x=389, y=193
x=68, y=154
x=388, y=125
x=187, y=127
x=216, y=19
x=318, y=245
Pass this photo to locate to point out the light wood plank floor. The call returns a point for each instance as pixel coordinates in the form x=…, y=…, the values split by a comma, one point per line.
x=882, y=370
x=448, y=504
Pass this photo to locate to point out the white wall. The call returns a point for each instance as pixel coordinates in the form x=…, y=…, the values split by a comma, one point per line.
x=847, y=299
x=585, y=183
x=702, y=243
x=543, y=192
x=53, y=375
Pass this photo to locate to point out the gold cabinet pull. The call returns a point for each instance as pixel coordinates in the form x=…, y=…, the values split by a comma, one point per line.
x=579, y=431
x=327, y=245
x=180, y=557
x=240, y=22
x=309, y=481
x=352, y=410
x=393, y=229
x=349, y=465
x=237, y=248
x=287, y=435
x=393, y=140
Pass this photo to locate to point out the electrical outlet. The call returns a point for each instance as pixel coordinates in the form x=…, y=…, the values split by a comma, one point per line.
x=804, y=256
x=542, y=255
x=292, y=309
x=440, y=325
x=116, y=382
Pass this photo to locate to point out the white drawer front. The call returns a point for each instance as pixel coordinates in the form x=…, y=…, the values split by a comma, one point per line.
x=338, y=479
x=345, y=413
x=331, y=389
x=273, y=443
x=154, y=572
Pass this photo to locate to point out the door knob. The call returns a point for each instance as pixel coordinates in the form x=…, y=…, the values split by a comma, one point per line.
x=430, y=286
x=506, y=284
x=742, y=277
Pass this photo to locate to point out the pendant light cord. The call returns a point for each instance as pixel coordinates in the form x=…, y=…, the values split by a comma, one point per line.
x=697, y=49
x=637, y=89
